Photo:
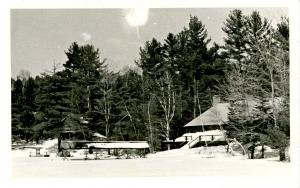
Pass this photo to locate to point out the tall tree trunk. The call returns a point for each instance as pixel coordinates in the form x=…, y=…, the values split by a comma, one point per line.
x=180, y=105
x=107, y=130
x=121, y=133
x=150, y=126
x=262, y=151
x=274, y=111
x=88, y=98
x=131, y=121
x=167, y=102
x=199, y=106
x=195, y=100
x=168, y=134
x=252, y=149
x=282, y=156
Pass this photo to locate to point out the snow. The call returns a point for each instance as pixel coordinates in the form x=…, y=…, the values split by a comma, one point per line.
x=204, y=152
x=49, y=143
x=136, y=145
x=201, y=161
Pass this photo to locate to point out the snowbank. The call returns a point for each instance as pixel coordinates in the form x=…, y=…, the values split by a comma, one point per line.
x=161, y=164
x=205, y=152
x=201, y=161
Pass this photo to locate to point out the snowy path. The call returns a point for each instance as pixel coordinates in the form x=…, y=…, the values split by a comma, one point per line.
x=184, y=165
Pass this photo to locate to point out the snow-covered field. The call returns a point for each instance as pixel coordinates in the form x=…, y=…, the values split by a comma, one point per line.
x=193, y=162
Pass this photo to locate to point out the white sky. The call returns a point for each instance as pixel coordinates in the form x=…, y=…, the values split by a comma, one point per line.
x=39, y=37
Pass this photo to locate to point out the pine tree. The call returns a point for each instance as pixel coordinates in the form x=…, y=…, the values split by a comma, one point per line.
x=23, y=107
x=282, y=33
x=152, y=59
x=16, y=108
x=184, y=66
x=235, y=41
x=52, y=104
x=84, y=69
x=258, y=30
x=128, y=102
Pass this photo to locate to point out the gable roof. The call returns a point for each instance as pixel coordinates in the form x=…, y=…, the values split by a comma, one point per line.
x=218, y=114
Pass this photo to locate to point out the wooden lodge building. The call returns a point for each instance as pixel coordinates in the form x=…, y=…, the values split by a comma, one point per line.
x=207, y=128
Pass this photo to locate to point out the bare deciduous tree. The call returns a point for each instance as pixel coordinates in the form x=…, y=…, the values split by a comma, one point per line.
x=166, y=98
x=107, y=91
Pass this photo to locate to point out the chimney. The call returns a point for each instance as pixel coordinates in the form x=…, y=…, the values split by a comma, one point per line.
x=216, y=100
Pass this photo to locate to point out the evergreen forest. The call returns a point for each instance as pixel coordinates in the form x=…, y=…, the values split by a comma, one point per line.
x=174, y=81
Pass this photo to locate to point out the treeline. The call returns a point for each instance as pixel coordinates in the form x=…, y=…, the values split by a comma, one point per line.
x=174, y=83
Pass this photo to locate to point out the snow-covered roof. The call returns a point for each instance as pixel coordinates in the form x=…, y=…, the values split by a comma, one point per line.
x=218, y=114
x=99, y=135
x=120, y=145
